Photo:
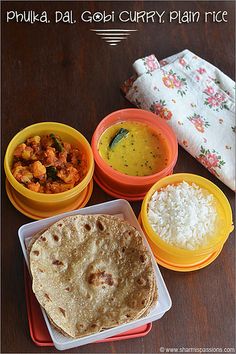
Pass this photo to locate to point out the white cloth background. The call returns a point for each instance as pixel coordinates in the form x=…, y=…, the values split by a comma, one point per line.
x=197, y=100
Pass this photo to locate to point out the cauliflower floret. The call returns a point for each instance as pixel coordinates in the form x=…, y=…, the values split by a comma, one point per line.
x=38, y=169
x=46, y=141
x=24, y=152
x=35, y=140
x=35, y=187
x=22, y=174
x=27, y=154
x=69, y=175
x=76, y=157
x=19, y=150
x=62, y=159
x=67, y=146
x=50, y=156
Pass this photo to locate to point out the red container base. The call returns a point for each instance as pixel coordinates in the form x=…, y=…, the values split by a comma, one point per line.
x=38, y=328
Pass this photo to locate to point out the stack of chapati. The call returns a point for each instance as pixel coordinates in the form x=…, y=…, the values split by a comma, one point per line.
x=91, y=272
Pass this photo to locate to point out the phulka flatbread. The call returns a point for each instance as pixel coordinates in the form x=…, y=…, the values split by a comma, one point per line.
x=91, y=272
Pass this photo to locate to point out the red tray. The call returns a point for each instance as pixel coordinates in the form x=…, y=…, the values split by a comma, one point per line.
x=38, y=328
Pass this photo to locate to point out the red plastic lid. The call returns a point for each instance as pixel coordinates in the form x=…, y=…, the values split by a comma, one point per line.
x=114, y=193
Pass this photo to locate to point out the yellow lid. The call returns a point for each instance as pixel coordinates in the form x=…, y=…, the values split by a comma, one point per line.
x=199, y=265
x=36, y=214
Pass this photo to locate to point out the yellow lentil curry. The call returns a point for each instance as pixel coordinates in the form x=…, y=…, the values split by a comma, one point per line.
x=47, y=164
x=134, y=149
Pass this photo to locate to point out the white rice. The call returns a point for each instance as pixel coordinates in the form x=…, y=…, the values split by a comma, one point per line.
x=183, y=215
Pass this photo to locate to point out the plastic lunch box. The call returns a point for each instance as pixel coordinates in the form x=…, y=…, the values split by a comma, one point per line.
x=38, y=329
x=123, y=209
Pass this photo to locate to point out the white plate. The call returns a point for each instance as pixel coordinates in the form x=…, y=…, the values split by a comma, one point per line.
x=114, y=207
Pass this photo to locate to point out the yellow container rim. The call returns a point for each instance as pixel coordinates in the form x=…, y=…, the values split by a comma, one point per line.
x=201, y=182
x=40, y=197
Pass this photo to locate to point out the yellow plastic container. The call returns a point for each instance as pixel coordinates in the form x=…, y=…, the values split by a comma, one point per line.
x=39, y=205
x=178, y=259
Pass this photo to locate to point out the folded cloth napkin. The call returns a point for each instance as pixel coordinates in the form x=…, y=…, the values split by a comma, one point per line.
x=197, y=100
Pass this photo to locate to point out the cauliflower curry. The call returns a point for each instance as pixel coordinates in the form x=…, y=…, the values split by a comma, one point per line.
x=47, y=164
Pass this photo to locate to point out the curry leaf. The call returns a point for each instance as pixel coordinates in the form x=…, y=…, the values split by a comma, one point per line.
x=117, y=137
x=51, y=172
x=57, y=144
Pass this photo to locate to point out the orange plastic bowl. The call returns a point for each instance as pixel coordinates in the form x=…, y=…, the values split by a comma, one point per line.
x=40, y=205
x=118, y=184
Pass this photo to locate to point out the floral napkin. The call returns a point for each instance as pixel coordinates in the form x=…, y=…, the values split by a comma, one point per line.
x=197, y=100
